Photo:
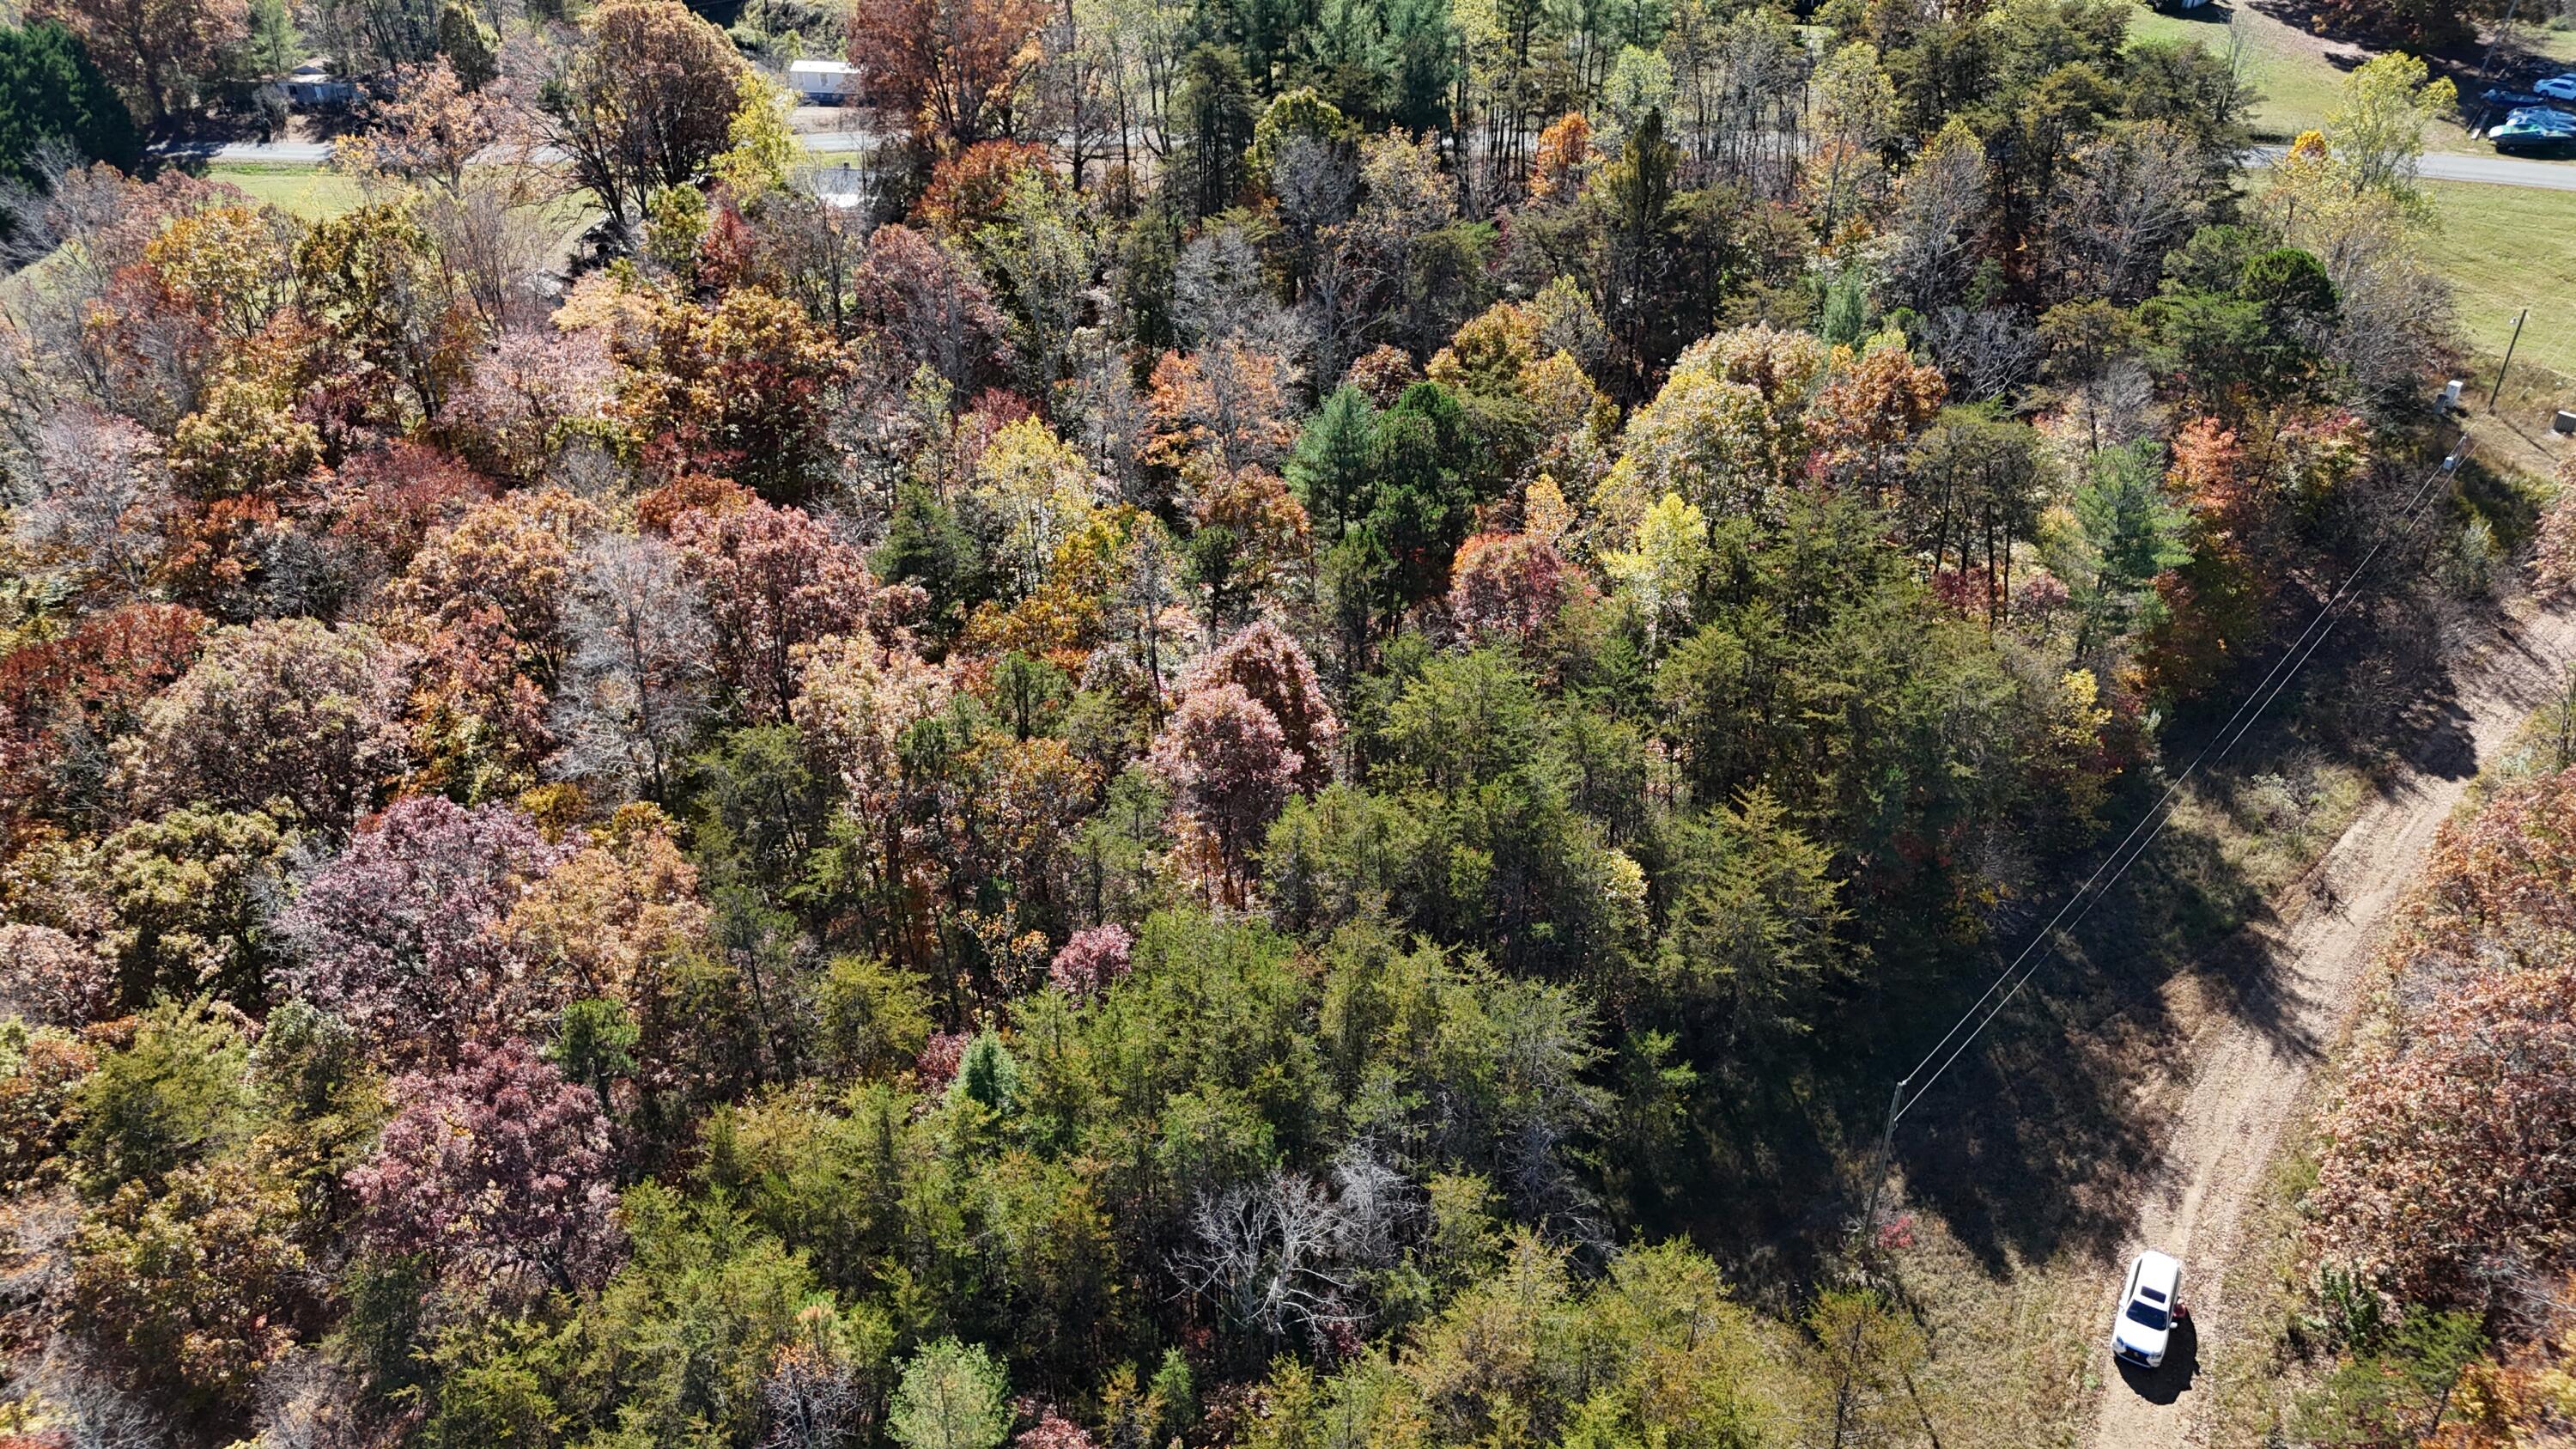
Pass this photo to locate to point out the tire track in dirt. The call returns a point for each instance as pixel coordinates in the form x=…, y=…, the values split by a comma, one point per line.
x=2247, y=1076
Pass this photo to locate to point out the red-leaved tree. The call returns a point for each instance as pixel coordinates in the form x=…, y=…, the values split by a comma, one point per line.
x=947, y=67
x=927, y=301
x=497, y=1170
x=1273, y=669
x=774, y=578
x=64, y=701
x=2453, y=1151
x=401, y=935
x=1511, y=587
x=1230, y=770
x=284, y=707
x=1093, y=961
x=50, y=979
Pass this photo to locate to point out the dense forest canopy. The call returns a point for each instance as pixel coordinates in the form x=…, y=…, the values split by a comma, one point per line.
x=1251, y=745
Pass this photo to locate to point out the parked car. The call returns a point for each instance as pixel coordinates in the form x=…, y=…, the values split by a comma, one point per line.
x=2499, y=96
x=2557, y=87
x=2150, y=1306
x=2535, y=128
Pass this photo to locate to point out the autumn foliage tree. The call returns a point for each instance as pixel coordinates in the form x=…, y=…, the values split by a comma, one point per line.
x=1273, y=671
x=65, y=701
x=924, y=297
x=744, y=390
x=947, y=68
x=1167, y=763
x=49, y=979
x=2212, y=603
x=1512, y=586
x=289, y=709
x=2449, y=1153
x=483, y=602
x=773, y=579
x=154, y=49
x=399, y=936
x=191, y=1288
x=642, y=102
x=1230, y=770
x=496, y=1170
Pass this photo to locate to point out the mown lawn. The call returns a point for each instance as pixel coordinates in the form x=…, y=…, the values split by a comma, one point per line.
x=2505, y=248
x=2300, y=76
x=2556, y=39
x=2299, y=85
x=315, y=192
x=311, y=192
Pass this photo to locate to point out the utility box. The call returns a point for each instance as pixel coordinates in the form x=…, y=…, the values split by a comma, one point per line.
x=2451, y=394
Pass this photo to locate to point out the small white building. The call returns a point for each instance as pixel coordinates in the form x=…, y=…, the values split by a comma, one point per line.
x=823, y=82
x=843, y=188
x=313, y=85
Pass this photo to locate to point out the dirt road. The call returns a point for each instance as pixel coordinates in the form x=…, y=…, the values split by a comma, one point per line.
x=2247, y=1077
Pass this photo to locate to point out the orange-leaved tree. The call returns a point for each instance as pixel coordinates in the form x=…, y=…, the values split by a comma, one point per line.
x=948, y=67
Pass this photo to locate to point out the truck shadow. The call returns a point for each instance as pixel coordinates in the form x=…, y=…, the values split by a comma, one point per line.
x=2182, y=1365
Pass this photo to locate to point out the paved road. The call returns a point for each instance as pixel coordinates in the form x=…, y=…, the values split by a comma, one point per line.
x=280, y=153
x=314, y=153
x=2502, y=171
x=2485, y=170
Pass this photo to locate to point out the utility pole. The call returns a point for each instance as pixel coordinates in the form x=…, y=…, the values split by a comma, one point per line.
x=2567, y=721
x=2486, y=67
x=1886, y=1149
x=1868, y=1219
x=2508, y=357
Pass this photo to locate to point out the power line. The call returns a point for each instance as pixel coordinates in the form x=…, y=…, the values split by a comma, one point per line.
x=1978, y=1017
x=2131, y=848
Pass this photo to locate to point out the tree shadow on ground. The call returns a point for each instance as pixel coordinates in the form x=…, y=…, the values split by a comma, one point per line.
x=2464, y=61
x=2217, y=14
x=2042, y=1139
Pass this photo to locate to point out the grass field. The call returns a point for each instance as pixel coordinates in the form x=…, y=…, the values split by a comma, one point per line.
x=2300, y=76
x=313, y=193
x=2556, y=40
x=310, y=192
x=2299, y=85
x=2505, y=248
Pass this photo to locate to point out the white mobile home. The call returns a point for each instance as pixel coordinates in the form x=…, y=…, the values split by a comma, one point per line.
x=312, y=84
x=823, y=82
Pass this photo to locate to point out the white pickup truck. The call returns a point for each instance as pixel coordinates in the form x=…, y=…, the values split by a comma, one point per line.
x=2150, y=1306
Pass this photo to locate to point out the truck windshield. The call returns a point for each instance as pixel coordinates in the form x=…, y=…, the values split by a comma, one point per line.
x=2148, y=1314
